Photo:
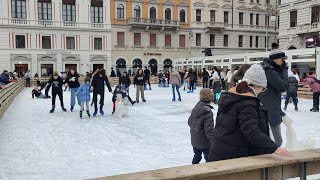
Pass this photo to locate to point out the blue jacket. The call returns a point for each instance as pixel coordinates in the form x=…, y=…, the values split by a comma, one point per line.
x=4, y=78
x=84, y=92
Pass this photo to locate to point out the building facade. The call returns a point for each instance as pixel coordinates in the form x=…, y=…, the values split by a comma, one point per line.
x=232, y=26
x=54, y=35
x=150, y=33
x=299, y=23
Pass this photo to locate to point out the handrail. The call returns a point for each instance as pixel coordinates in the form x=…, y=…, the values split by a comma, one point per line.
x=263, y=167
x=8, y=94
x=148, y=21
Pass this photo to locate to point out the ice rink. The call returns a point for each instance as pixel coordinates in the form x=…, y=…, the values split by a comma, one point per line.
x=35, y=144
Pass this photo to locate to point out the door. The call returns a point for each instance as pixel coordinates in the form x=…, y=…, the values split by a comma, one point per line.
x=97, y=66
x=21, y=69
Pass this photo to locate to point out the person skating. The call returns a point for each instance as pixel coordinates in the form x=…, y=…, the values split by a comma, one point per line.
x=44, y=85
x=117, y=92
x=276, y=71
x=125, y=83
x=175, y=81
x=186, y=80
x=84, y=95
x=139, y=81
x=315, y=87
x=216, y=88
x=147, y=78
x=192, y=75
x=241, y=128
x=201, y=125
x=56, y=84
x=292, y=91
x=205, y=78
x=72, y=80
x=97, y=86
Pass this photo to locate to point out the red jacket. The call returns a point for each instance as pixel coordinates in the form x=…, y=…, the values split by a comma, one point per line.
x=312, y=84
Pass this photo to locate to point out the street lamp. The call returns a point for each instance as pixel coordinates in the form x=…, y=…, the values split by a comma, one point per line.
x=273, y=19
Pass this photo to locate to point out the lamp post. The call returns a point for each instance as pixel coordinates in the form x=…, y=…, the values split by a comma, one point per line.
x=273, y=19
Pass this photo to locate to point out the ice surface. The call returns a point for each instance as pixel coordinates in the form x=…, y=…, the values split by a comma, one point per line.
x=35, y=144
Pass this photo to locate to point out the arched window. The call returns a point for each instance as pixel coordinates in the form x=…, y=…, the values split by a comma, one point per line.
x=167, y=64
x=153, y=13
x=136, y=12
x=137, y=63
x=153, y=64
x=120, y=11
x=167, y=14
x=182, y=16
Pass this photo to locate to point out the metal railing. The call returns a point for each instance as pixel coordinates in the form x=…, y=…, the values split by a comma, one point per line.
x=235, y=26
x=49, y=23
x=152, y=22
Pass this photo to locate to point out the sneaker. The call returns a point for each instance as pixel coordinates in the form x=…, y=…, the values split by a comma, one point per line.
x=88, y=113
x=95, y=113
x=71, y=109
x=52, y=110
x=63, y=109
x=143, y=100
x=80, y=114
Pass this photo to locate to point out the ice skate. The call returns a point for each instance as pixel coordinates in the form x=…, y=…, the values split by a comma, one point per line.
x=80, y=114
x=88, y=113
x=143, y=100
x=71, y=109
x=296, y=108
x=52, y=110
x=101, y=111
x=95, y=113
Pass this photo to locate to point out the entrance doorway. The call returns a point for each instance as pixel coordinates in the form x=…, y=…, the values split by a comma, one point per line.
x=167, y=65
x=20, y=69
x=46, y=69
x=121, y=66
x=97, y=66
x=69, y=66
x=153, y=64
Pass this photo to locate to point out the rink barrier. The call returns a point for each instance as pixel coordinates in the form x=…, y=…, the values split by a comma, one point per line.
x=8, y=94
x=263, y=167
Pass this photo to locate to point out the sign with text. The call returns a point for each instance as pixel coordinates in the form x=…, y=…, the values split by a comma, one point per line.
x=152, y=54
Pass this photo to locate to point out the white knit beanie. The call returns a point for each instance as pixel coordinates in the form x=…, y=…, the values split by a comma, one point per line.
x=256, y=76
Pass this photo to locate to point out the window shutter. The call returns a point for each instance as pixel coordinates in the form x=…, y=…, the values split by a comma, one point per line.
x=182, y=41
x=153, y=40
x=137, y=39
x=120, y=39
x=168, y=40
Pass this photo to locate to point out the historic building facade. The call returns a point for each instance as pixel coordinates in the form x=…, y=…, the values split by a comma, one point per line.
x=150, y=33
x=299, y=23
x=232, y=26
x=54, y=35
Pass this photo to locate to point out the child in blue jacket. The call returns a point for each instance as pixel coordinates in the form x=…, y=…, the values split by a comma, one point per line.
x=84, y=95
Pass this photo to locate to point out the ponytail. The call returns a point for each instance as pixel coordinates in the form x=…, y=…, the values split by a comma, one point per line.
x=243, y=87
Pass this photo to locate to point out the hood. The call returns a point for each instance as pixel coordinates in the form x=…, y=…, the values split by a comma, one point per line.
x=201, y=108
x=269, y=63
x=228, y=99
x=292, y=79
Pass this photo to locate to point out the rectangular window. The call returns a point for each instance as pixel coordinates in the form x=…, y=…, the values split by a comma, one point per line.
x=225, y=40
x=69, y=10
x=153, y=40
x=257, y=19
x=212, y=40
x=198, y=39
x=240, y=18
x=20, y=41
x=70, y=42
x=267, y=20
x=293, y=18
x=240, y=42
x=19, y=9
x=279, y=2
x=213, y=16
x=268, y=1
x=226, y=17
x=258, y=1
x=198, y=15
x=137, y=39
x=182, y=41
x=257, y=41
x=44, y=10
x=167, y=40
x=120, y=38
x=97, y=43
x=251, y=19
x=251, y=41
x=315, y=14
x=96, y=14
x=46, y=42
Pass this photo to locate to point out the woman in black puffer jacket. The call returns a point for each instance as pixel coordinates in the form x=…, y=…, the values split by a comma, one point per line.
x=241, y=127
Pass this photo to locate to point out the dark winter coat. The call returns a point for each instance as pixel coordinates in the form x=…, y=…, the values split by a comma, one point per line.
x=205, y=75
x=4, y=78
x=292, y=86
x=56, y=85
x=98, y=84
x=146, y=73
x=115, y=92
x=113, y=74
x=139, y=80
x=125, y=80
x=201, y=125
x=277, y=78
x=216, y=87
x=192, y=76
x=73, y=81
x=241, y=128
x=36, y=93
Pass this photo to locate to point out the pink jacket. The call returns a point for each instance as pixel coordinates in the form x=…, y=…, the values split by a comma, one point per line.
x=312, y=84
x=175, y=78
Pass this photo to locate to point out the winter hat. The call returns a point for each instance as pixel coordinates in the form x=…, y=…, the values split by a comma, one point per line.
x=206, y=95
x=55, y=73
x=256, y=76
x=276, y=54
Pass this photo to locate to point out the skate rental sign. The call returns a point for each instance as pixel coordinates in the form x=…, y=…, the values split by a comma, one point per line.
x=152, y=54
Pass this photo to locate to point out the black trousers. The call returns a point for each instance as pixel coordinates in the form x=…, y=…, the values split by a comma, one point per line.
x=46, y=92
x=316, y=100
x=54, y=95
x=198, y=155
x=210, y=83
x=147, y=82
x=205, y=82
x=294, y=98
x=191, y=86
x=95, y=100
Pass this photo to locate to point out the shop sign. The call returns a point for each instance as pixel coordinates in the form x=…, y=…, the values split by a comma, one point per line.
x=152, y=54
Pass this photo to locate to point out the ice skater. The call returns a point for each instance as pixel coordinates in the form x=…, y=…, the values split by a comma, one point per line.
x=216, y=88
x=139, y=81
x=119, y=109
x=72, y=81
x=201, y=126
x=84, y=95
x=315, y=87
x=292, y=91
x=175, y=81
x=97, y=86
x=56, y=84
x=125, y=83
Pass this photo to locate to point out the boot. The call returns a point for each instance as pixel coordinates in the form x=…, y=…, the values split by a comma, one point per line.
x=150, y=88
x=88, y=113
x=95, y=113
x=52, y=110
x=63, y=109
x=71, y=109
x=113, y=111
x=101, y=111
x=296, y=108
x=285, y=107
x=133, y=102
x=80, y=114
x=143, y=100
x=314, y=110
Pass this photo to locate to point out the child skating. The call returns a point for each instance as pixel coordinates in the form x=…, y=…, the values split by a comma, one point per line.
x=292, y=92
x=56, y=83
x=84, y=96
x=119, y=109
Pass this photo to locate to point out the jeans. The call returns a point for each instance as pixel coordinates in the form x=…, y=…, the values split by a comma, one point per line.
x=177, y=87
x=198, y=155
x=82, y=105
x=73, y=97
x=276, y=131
x=205, y=83
x=191, y=87
x=316, y=100
x=294, y=98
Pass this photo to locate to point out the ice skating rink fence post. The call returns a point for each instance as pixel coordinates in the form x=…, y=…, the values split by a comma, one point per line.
x=318, y=62
x=263, y=167
x=8, y=94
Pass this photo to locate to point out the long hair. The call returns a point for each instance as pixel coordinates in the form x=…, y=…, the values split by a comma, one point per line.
x=139, y=71
x=69, y=75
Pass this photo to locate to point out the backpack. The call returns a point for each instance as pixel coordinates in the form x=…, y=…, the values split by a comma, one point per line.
x=316, y=80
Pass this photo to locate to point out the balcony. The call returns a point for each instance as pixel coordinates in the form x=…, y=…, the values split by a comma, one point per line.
x=52, y=24
x=219, y=26
x=309, y=28
x=153, y=23
x=214, y=26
